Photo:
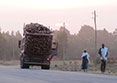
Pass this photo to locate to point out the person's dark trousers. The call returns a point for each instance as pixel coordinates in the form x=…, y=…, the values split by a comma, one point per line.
x=103, y=65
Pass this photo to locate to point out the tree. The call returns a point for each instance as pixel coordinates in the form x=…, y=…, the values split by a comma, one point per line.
x=9, y=45
x=115, y=32
x=61, y=37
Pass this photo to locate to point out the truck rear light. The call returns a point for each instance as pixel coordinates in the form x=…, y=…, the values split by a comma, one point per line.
x=48, y=59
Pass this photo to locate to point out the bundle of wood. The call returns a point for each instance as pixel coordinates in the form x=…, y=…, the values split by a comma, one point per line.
x=37, y=44
x=36, y=28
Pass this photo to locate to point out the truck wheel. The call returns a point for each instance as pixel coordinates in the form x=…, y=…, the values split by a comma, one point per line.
x=22, y=65
x=47, y=67
x=43, y=67
x=27, y=66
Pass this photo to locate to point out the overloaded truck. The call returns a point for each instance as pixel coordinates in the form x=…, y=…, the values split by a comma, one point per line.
x=37, y=46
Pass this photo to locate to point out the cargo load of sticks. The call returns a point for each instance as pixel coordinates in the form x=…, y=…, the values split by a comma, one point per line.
x=38, y=39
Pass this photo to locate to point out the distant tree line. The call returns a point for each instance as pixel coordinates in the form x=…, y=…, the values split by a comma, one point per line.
x=9, y=45
x=72, y=46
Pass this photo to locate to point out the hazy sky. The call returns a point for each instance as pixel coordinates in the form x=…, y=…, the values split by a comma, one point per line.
x=14, y=13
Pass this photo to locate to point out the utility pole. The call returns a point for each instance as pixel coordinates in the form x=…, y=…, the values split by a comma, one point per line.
x=95, y=32
x=64, y=49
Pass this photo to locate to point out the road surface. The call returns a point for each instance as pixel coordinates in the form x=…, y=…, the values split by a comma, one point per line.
x=16, y=75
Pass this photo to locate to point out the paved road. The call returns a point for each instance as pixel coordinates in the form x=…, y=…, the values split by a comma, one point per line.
x=17, y=75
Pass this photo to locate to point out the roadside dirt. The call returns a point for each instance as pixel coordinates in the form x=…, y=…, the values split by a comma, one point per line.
x=75, y=65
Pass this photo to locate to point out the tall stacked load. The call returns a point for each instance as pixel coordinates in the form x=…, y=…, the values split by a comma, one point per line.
x=38, y=39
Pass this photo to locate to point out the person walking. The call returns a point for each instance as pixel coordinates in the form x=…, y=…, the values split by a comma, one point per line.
x=103, y=52
x=85, y=60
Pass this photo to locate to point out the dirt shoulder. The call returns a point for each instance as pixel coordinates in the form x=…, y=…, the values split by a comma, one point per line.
x=10, y=62
x=75, y=66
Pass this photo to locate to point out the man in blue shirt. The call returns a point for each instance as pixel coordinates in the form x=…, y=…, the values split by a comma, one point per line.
x=85, y=60
x=103, y=52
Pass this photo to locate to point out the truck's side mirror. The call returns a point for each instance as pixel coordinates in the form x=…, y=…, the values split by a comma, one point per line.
x=55, y=47
x=19, y=43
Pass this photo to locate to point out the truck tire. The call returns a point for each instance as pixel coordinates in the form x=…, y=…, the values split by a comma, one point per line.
x=47, y=67
x=23, y=66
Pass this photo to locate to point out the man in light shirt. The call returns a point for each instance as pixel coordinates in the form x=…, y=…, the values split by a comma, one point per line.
x=103, y=52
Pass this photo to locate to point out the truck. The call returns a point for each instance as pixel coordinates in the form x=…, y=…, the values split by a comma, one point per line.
x=37, y=46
